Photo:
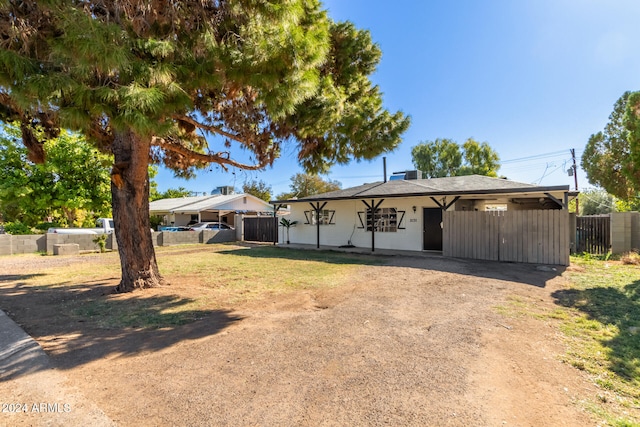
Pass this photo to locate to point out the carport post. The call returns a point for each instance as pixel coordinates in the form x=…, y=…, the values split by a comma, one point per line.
x=373, y=208
x=276, y=208
x=317, y=209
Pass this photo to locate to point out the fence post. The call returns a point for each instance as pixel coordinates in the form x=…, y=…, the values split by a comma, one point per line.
x=635, y=231
x=572, y=232
x=238, y=222
x=620, y=232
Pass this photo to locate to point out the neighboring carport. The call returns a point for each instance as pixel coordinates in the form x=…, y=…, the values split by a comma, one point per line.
x=212, y=208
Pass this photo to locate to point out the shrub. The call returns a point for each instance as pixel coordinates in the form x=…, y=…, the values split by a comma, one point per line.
x=631, y=258
x=155, y=221
x=101, y=241
x=17, y=228
x=44, y=226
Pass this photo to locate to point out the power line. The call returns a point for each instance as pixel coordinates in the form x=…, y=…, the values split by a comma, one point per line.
x=535, y=157
x=606, y=205
x=545, y=174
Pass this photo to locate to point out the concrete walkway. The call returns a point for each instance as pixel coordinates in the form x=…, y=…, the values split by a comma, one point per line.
x=363, y=251
x=32, y=391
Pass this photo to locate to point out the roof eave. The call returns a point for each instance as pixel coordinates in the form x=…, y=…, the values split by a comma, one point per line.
x=563, y=188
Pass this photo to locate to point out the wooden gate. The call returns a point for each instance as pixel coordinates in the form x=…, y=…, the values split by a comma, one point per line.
x=261, y=229
x=535, y=236
x=593, y=234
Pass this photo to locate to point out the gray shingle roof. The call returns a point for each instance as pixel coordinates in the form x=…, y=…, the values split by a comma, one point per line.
x=456, y=185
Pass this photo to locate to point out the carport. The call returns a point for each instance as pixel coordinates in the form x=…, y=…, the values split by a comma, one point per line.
x=211, y=208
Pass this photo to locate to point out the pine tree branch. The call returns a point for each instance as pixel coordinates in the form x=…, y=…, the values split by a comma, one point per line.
x=222, y=158
x=209, y=128
x=9, y=109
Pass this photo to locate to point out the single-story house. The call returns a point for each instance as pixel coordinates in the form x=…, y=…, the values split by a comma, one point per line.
x=184, y=211
x=465, y=216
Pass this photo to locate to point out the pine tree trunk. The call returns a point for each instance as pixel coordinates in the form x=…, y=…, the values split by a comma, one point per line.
x=130, y=202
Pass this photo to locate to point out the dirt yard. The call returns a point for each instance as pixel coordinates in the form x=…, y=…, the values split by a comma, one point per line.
x=417, y=342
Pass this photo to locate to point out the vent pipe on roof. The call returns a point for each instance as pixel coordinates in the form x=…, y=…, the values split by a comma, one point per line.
x=384, y=168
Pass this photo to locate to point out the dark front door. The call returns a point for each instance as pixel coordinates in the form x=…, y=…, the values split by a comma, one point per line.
x=432, y=229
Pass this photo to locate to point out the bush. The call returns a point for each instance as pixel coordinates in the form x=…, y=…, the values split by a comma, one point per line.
x=44, y=226
x=17, y=228
x=632, y=258
x=155, y=221
x=101, y=241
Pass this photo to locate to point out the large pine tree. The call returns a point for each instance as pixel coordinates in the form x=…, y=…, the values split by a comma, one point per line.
x=185, y=83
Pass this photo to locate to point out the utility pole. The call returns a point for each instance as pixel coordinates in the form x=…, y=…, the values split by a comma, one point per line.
x=575, y=178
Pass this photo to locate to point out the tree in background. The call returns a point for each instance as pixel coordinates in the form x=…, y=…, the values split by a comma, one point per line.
x=632, y=124
x=148, y=81
x=154, y=194
x=631, y=205
x=303, y=185
x=445, y=157
x=72, y=188
x=172, y=193
x=479, y=159
x=438, y=158
x=596, y=202
x=260, y=189
x=607, y=157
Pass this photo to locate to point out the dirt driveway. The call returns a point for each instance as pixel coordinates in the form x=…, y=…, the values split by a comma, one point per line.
x=418, y=342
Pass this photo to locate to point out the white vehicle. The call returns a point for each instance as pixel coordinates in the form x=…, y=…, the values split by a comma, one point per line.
x=218, y=225
x=105, y=226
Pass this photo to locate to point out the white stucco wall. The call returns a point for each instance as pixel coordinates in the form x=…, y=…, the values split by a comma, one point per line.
x=181, y=219
x=346, y=227
x=245, y=203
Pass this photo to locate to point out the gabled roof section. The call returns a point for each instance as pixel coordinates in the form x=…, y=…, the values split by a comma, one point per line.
x=168, y=205
x=455, y=185
x=204, y=203
x=212, y=202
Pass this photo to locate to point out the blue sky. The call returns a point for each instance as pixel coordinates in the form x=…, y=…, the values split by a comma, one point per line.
x=533, y=78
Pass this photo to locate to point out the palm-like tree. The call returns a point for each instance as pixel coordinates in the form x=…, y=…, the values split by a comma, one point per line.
x=287, y=224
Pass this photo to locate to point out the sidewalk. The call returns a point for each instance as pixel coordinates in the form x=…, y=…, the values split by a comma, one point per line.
x=32, y=392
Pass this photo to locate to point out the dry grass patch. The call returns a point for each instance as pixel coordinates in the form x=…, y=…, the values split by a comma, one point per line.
x=630, y=258
x=203, y=280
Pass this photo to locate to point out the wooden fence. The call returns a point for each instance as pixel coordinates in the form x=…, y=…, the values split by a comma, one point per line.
x=535, y=236
x=260, y=229
x=593, y=234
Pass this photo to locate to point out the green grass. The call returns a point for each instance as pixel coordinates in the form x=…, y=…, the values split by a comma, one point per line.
x=205, y=280
x=604, y=301
x=599, y=316
x=265, y=268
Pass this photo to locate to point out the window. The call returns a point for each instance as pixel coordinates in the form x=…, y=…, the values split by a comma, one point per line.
x=386, y=220
x=326, y=217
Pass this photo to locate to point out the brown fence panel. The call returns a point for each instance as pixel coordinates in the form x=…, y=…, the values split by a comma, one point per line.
x=593, y=234
x=537, y=236
x=260, y=229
